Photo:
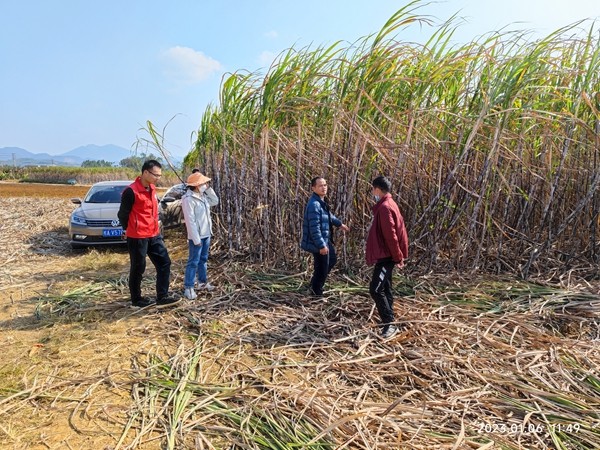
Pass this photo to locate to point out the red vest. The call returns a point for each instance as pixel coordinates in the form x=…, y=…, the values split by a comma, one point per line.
x=143, y=218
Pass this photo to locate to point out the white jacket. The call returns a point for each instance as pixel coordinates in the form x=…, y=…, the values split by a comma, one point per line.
x=196, y=213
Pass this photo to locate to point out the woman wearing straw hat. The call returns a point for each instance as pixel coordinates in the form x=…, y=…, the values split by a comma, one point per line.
x=195, y=204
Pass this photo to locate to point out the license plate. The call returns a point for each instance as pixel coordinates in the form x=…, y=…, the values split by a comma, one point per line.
x=112, y=232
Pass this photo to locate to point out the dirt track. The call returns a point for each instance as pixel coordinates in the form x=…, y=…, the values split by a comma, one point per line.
x=40, y=350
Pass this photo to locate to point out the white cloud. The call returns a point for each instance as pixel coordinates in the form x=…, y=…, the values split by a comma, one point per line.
x=189, y=66
x=266, y=58
x=271, y=34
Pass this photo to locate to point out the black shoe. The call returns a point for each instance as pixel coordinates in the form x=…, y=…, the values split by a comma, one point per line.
x=168, y=300
x=310, y=293
x=142, y=302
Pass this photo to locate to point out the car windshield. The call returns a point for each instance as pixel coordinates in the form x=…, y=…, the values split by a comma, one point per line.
x=104, y=194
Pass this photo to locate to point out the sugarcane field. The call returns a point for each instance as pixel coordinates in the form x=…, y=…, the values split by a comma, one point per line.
x=492, y=149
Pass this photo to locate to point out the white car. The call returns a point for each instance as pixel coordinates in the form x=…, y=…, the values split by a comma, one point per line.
x=95, y=221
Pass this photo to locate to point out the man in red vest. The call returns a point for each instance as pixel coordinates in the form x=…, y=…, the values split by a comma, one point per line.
x=138, y=215
x=387, y=246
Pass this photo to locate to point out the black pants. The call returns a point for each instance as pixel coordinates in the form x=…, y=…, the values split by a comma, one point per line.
x=322, y=266
x=381, y=290
x=155, y=249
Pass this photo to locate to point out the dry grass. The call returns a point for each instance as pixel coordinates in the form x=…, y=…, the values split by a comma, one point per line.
x=490, y=363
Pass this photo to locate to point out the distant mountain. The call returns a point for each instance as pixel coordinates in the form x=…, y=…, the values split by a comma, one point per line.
x=7, y=153
x=109, y=152
x=113, y=153
x=21, y=157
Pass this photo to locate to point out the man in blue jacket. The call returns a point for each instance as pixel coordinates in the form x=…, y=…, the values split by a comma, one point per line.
x=316, y=234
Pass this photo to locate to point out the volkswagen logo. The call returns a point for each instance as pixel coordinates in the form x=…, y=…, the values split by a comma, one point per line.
x=115, y=223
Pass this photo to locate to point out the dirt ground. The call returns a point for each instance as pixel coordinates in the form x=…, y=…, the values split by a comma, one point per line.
x=62, y=356
x=490, y=363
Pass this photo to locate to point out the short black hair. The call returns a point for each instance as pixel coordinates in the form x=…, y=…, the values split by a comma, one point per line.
x=195, y=170
x=382, y=183
x=313, y=182
x=149, y=164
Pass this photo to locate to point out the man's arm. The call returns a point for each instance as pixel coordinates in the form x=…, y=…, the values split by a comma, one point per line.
x=390, y=237
x=403, y=237
x=127, y=199
x=334, y=220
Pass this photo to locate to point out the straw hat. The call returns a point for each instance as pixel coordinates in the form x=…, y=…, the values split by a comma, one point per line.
x=196, y=179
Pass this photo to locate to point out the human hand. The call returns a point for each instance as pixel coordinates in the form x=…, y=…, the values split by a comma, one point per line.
x=324, y=251
x=400, y=264
x=344, y=227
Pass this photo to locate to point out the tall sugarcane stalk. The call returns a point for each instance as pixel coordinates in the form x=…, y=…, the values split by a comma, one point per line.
x=483, y=142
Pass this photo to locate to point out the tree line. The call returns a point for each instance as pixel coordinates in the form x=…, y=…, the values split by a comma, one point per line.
x=131, y=162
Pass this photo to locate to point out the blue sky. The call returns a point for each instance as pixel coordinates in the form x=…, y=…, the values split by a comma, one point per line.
x=75, y=72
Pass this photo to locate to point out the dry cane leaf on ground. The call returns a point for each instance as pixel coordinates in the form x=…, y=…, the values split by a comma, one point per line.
x=488, y=363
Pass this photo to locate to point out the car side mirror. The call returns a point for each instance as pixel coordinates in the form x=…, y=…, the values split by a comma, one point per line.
x=77, y=201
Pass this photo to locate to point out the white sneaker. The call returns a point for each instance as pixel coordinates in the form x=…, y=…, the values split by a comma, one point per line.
x=190, y=293
x=206, y=286
x=389, y=331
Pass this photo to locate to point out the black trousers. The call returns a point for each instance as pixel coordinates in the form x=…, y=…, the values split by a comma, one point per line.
x=155, y=249
x=381, y=290
x=322, y=266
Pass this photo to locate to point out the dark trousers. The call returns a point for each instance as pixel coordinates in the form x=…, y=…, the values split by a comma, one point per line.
x=322, y=266
x=155, y=249
x=381, y=290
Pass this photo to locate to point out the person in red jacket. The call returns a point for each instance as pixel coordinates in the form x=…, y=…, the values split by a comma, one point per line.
x=387, y=246
x=138, y=215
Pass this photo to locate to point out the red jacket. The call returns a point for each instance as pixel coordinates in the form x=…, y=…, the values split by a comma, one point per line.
x=387, y=236
x=139, y=210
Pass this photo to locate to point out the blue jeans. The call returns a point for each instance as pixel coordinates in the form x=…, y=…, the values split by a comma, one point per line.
x=196, y=264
